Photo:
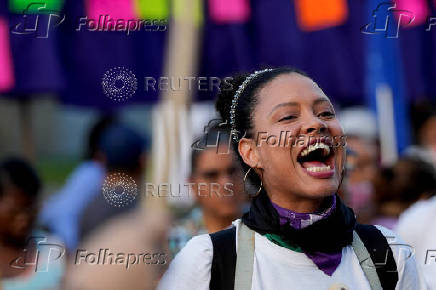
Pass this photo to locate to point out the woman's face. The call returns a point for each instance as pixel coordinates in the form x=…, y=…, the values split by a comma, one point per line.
x=292, y=113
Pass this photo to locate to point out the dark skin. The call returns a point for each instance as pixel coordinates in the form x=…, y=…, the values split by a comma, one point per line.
x=427, y=134
x=220, y=206
x=294, y=103
x=17, y=215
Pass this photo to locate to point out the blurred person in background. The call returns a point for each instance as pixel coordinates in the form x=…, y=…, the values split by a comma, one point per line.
x=216, y=186
x=123, y=153
x=142, y=234
x=61, y=212
x=423, y=116
x=410, y=179
x=113, y=228
x=417, y=224
x=25, y=259
x=361, y=129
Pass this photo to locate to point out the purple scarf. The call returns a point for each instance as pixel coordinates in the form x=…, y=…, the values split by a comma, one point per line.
x=326, y=262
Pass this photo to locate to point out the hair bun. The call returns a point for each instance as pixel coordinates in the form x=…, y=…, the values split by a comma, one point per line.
x=225, y=96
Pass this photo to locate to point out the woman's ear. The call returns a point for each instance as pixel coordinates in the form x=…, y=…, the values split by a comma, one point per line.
x=249, y=152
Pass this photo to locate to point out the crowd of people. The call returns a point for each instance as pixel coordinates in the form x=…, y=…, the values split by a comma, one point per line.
x=77, y=219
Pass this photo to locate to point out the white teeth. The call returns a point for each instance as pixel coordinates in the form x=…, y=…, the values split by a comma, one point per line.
x=318, y=169
x=310, y=148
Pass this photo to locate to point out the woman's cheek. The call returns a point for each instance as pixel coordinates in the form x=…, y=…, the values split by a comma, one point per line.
x=274, y=159
x=336, y=128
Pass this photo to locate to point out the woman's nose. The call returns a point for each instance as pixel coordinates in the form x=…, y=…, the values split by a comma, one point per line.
x=313, y=125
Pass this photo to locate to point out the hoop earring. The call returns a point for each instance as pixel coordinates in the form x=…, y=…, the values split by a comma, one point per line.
x=260, y=187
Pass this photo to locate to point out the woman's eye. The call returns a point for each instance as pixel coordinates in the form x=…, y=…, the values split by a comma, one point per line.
x=290, y=117
x=327, y=114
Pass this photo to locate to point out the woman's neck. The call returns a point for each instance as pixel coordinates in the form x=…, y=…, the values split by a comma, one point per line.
x=297, y=204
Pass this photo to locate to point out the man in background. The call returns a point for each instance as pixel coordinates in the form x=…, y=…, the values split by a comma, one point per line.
x=123, y=153
x=217, y=188
x=130, y=236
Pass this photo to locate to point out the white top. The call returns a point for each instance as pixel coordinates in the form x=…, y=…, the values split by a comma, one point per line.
x=276, y=267
x=417, y=227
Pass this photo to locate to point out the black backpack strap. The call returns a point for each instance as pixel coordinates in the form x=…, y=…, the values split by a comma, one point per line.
x=224, y=259
x=381, y=255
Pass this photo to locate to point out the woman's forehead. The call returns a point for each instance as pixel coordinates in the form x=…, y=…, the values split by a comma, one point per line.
x=292, y=88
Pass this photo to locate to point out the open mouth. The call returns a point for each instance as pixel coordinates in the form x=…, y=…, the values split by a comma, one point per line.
x=317, y=159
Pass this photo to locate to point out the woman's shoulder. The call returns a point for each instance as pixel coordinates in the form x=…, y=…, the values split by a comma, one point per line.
x=400, y=249
x=198, y=248
x=404, y=255
x=199, y=243
x=191, y=267
x=387, y=233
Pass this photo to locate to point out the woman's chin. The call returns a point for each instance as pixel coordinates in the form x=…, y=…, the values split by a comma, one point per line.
x=322, y=189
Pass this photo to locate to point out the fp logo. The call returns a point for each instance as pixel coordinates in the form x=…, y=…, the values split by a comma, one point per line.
x=383, y=20
x=222, y=138
x=430, y=257
x=37, y=20
x=38, y=254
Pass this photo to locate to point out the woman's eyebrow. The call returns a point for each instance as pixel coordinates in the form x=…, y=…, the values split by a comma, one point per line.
x=293, y=104
x=321, y=100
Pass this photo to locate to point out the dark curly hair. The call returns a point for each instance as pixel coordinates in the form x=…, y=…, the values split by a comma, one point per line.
x=18, y=172
x=247, y=101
